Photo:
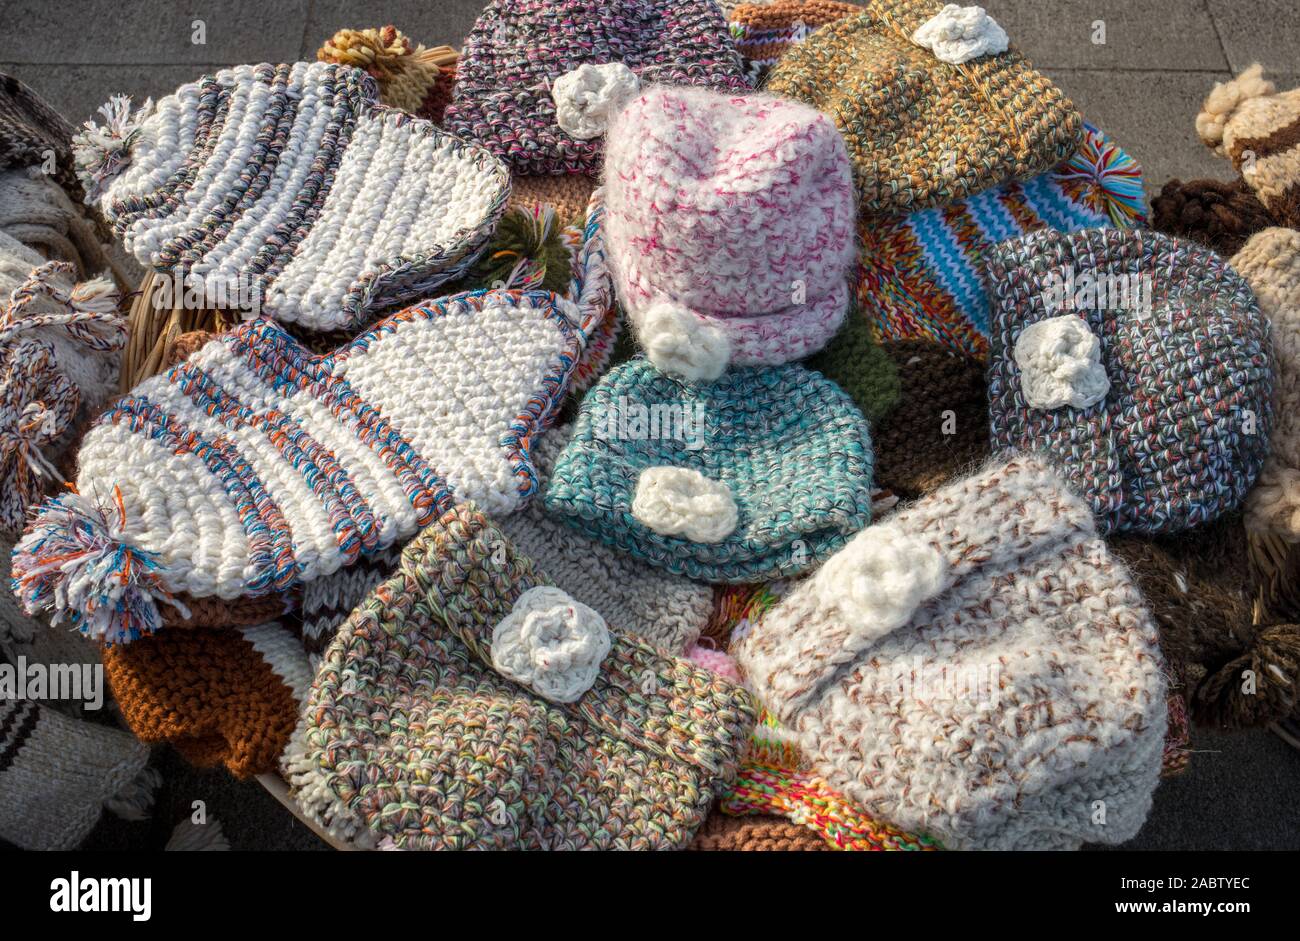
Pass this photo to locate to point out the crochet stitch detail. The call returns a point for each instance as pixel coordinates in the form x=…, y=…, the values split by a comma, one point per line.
x=682, y=344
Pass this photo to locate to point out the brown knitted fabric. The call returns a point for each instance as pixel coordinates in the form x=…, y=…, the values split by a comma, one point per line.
x=28, y=129
x=939, y=428
x=1218, y=215
x=1200, y=589
x=568, y=194
x=220, y=696
x=216, y=612
x=721, y=833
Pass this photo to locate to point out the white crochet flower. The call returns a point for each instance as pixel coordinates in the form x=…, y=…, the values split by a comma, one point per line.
x=880, y=578
x=678, y=501
x=958, y=34
x=587, y=97
x=682, y=344
x=1060, y=364
x=550, y=643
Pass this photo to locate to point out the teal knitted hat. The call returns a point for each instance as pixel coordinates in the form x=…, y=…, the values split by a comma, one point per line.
x=757, y=475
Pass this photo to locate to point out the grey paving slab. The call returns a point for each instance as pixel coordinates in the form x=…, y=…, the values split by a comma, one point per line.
x=1139, y=34
x=444, y=22
x=76, y=91
x=150, y=31
x=1266, y=31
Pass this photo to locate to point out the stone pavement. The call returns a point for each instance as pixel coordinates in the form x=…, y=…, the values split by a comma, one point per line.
x=1143, y=85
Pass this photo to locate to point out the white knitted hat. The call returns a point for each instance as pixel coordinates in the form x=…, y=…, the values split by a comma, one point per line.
x=976, y=667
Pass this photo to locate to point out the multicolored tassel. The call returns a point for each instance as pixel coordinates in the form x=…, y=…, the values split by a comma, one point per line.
x=1106, y=179
x=102, y=152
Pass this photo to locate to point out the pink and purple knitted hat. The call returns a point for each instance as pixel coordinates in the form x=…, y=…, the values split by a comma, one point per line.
x=538, y=79
x=730, y=228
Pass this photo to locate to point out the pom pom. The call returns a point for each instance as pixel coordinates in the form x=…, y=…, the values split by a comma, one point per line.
x=682, y=344
x=715, y=661
x=75, y=562
x=1060, y=364
x=1105, y=178
x=528, y=252
x=1257, y=687
x=101, y=153
x=677, y=501
x=1224, y=101
x=958, y=34
x=590, y=95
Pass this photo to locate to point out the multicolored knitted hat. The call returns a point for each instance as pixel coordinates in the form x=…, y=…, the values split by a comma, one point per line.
x=1140, y=363
x=1270, y=263
x=410, y=77
x=1219, y=215
x=1255, y=126
x=920, y=273
x=538, y=80
x=976, y=668
x=765, y=31
x=466, y=704
x=219, y=696
x=60, y=344
x=57, y=776
x=760, y=474
x=932, y=104
x=730, y=228
x=255, y=466
x=289, y=189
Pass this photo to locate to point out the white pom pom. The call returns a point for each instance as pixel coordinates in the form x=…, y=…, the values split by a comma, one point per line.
x=587, y=97
x=677, y=501
x=958, y=34
x=880, y=578
x=550, y=643
x=1060, y=364
x=682, y=344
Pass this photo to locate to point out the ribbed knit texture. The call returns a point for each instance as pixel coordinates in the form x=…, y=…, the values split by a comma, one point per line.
x=518, y=49
x=29, y=128
x=1051, y=694
x=790, y=447
x=921, y=132
x=1182, y=432
x=761, y=834
x=413, y=741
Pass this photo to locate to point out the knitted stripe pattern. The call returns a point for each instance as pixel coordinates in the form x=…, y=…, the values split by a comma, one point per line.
x=57, y=773
x=294, y=182
x=790, y=448
x=760, y=189
x=412, y=740
x=517, y=50
x=1181, y=434
x=921, y=132
x=764, y=31
x=985, y=621
x=920, y=273
x=219, y=696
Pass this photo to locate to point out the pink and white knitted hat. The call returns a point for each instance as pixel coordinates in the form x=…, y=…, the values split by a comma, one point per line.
x=730, y=228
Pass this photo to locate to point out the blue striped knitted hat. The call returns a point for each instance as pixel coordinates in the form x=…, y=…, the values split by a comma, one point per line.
x=758, y=475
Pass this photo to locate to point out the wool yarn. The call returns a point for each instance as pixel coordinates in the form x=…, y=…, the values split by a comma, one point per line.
x=1254, y=125
x=220, y=696
x=760, y=190
x=759, y=834
x=977, y=667
x=922, y=132
x=517, y=52
x=30, y=130
x=855, y=362
x=568, y=194
x=410, y=77
x=1218, y=215
x=1270, y=263
x=1181, y=433
x=765, y=31
x=413, y=740
x=920, y=273
x=58, y=775
x=292, y=188
x=256, y=467
x=774, y=463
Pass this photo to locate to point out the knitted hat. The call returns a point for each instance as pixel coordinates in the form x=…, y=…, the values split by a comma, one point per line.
x=1257, y=127
x=977, y=668
x=466, y=705
x=1270, y=263
x=857, y=364
x=30, y=130
x=765, y=31
x=58, y=774
x=60, y=344
x=730, y=228
x=759, y=474
x=1219, y=215
x=226, y=696
x=1140, y=362
x=537, y=80
x=1201, y=591
x=410, y=77
x=568, y=195
x=920, y=273
x=932, y=105
x=761, y=834
x=291, y=190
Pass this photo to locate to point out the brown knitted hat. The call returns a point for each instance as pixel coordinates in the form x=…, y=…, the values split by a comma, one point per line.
x=721, y=833
x=1218, y=215
x=220, y=696
x=411, y=78
x=567, y=194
